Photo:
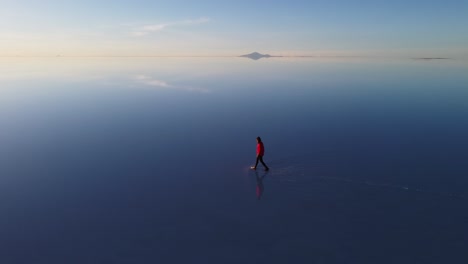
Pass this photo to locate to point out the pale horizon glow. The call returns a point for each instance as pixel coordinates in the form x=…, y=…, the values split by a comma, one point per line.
x=210, y=28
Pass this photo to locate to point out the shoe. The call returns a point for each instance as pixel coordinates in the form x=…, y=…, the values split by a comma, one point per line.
x=253, y=168
x=267, y=169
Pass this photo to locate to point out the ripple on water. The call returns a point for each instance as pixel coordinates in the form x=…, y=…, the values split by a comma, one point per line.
x=300, y=174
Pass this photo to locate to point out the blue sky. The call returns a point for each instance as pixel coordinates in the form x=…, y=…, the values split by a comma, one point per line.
x=388, y=28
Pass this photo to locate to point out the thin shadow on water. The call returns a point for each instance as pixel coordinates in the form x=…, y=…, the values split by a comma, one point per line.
x=260, y=186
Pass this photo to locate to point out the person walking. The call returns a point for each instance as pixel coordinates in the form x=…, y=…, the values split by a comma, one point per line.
x=260, y=153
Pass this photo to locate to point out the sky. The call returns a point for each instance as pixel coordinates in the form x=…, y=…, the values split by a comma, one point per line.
x=230, y=28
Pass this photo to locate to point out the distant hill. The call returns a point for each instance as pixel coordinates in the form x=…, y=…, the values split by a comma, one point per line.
x=256, y=56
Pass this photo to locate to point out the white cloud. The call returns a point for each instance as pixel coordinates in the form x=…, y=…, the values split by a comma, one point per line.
x=147, y=80
x=148, y=29
x=201, y=20
x=152, y=82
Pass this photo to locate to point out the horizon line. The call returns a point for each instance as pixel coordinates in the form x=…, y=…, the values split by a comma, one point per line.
x=225, y=56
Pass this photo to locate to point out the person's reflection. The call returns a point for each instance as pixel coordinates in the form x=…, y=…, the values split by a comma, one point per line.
x=260, y=184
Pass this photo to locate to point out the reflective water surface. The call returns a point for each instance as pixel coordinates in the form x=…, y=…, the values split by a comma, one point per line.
x=146, y=160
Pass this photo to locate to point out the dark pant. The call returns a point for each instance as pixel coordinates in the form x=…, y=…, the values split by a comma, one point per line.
x=260, y=158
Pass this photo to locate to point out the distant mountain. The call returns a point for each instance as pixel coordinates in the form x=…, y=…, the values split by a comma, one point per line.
x=256, y=56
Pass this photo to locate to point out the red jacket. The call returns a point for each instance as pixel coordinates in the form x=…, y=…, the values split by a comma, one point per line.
x=260, y=149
